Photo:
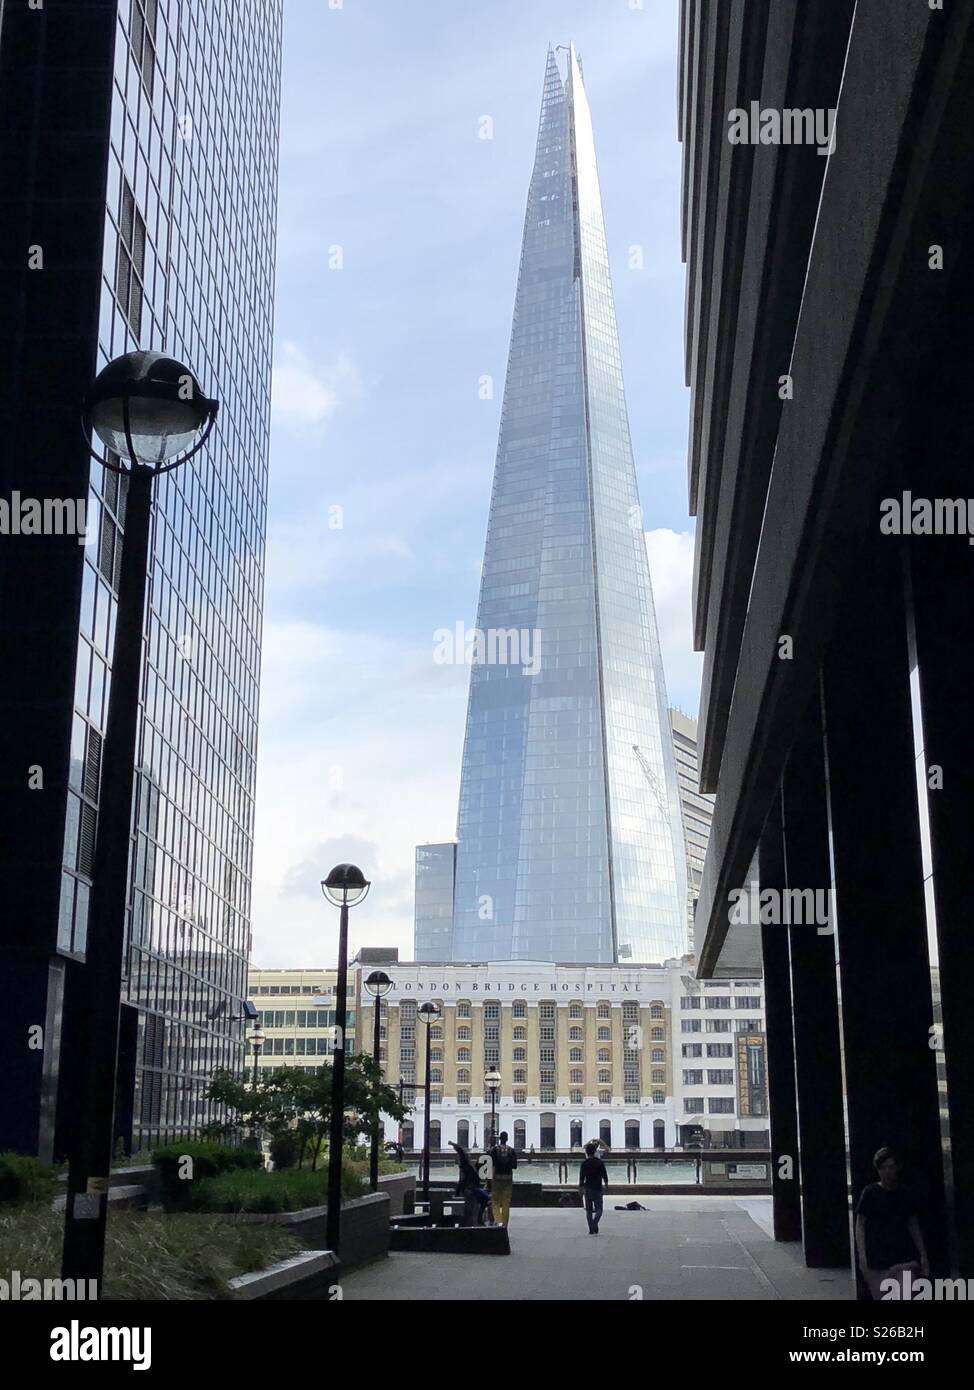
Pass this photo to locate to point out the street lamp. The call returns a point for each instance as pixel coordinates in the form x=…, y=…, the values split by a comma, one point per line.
x=257, y=1038
x=429, y=1013
x=151, y=416
x=378, y=984
x=345, y=886
x=492, y=1081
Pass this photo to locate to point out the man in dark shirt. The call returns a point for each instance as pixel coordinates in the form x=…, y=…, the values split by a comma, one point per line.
x=592, y=1178
x=888, y=1235
x=504, y=1161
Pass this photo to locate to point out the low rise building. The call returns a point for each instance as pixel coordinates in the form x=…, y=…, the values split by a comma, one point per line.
x=583, y=1051
x=296, y=1013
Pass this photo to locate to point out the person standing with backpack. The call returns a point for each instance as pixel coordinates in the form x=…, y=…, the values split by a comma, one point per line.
x=504, y=1159
x=592, y=1177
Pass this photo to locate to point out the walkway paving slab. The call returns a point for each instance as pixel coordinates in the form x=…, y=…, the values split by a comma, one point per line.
x=680, y=1248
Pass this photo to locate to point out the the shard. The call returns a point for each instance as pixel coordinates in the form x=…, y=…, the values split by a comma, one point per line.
x=569, y=837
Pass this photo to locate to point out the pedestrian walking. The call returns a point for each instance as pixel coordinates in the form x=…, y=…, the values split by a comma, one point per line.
x=888, y=1237
x=593, y=1178
x=504, y=1159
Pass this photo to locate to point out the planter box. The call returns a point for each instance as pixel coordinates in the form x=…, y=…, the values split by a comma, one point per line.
x=400, y=1188
x=308, y=1276
x=132, y=1198
x=364, y=1227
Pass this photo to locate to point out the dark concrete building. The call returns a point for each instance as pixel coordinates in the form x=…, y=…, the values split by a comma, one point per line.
x=138, y=176
x=828, y=220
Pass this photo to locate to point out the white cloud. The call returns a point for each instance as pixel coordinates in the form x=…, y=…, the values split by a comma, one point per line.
x=357, y=759
x=302, y=395
x=671, y=567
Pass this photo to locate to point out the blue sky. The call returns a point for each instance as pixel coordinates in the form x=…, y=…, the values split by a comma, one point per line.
x=398, y=238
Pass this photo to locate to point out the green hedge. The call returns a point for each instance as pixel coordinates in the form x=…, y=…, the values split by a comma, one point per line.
x=24, y=1179
x=290, y=1190
x=208, y=1160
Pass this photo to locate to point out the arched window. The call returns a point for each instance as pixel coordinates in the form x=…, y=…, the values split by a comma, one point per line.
x=406, y=1134
x=547, y=1129
x=659, y=1098
x=436, y=1054
x=434, y=1134
x=463, y=1033
x=575, y=1011
x=575, y=1034
x=520, y=1054
x=575, y=1054
x=659, y=1134
x=605, y=1098
x=658, y=1074
x=463, y=1008
x=605, y=1011
x=632, y=1134
x=519, y=1009
x=656, y=1011
x=575, y=1131
x=463, y=1054
x=604, y=1054
x=463, y=1076
x=463, y=1133
x=520, y=1135
x=605, y=1076
x=520, y=1033
x=577, y=1076
x=436, y=1074
x=605, y=1034
x=605, y=1131
x=658, y=1035
x=520, y=1076
x=657, y=1055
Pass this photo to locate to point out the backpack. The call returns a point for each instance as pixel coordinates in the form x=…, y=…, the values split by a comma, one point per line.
x=502, y=1156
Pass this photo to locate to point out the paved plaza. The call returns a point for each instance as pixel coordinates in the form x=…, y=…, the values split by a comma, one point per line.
x=680, y=1248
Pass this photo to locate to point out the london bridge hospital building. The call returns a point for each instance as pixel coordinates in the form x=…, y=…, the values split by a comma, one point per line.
x=642, y=1057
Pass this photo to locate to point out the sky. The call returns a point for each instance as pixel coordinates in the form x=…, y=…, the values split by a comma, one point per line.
x=399, y=229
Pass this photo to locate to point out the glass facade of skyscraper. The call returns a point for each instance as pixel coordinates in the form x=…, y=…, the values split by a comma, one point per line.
x=435, y=870
x=187, y=269
x=564, y=852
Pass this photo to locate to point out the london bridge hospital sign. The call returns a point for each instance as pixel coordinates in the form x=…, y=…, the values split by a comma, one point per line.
x=649, y=988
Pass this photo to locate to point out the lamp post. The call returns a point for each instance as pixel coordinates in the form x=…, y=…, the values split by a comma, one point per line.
x=429, y=1013
x=257, y=1038
x=492, y=1081
x=345, y=886
x=378, y=985
x=148, y=411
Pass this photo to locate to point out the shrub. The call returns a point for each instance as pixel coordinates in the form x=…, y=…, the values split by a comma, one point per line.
x=149, y=1256
x=285, y=1150
x=291, y=1190
x=24, y=1179
x=209, y=1161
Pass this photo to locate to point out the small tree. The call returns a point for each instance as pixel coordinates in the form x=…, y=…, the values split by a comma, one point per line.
x=368, y=1096
x=292, y=1101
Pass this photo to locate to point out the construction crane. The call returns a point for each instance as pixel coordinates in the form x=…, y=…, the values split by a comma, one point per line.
x=658, y=792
